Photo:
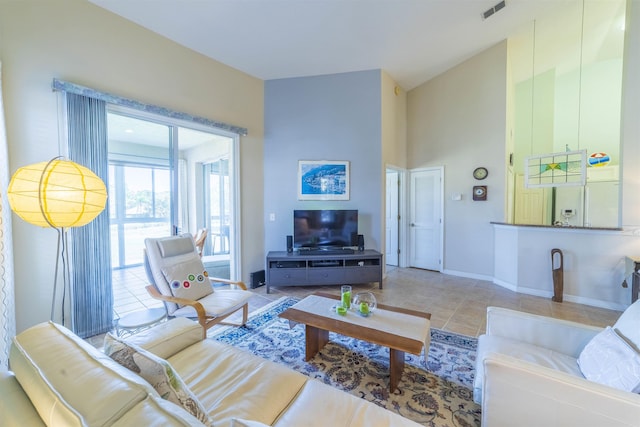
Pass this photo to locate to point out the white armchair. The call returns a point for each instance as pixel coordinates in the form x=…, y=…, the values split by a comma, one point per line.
x=527, y=373
x=178, y=278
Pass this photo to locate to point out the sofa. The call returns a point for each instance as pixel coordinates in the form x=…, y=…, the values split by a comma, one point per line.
x=58, y=379
x=534, y=370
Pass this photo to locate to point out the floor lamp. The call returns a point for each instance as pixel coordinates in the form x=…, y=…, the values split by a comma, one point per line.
x=57, y=194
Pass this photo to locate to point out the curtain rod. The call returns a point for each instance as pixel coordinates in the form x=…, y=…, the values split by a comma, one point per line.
x=63, y=86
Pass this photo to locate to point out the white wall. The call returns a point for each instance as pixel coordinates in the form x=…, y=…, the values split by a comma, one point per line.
x=77, y=41
x=458, y=120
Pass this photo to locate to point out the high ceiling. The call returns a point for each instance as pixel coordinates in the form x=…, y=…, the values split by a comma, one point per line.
x=412, y=40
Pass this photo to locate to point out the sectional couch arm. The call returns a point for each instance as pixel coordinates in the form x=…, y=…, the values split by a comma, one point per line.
x=524, y=394
x=555, y=334
x=16, y=410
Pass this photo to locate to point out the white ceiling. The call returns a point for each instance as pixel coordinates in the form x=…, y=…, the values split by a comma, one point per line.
x=412, y=40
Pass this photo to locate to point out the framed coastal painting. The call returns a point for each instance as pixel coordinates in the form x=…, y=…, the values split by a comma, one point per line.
x=323, y=180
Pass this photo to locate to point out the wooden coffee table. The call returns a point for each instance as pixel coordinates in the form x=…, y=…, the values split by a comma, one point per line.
x=400, y=329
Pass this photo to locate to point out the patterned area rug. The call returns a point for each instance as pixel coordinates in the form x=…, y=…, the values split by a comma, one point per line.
x=435, y=393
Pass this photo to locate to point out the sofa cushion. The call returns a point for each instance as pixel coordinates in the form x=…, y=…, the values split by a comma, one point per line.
x=157, y=372
x=167, y=338
x=157, y=412
x=541, y=356
x=608, y=359
x=188, y=279
x=232, y=383
x=55, y=368
x=627, y=325
x=320, y=405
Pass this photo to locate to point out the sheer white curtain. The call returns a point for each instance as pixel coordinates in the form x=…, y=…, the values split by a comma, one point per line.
x=7, y=294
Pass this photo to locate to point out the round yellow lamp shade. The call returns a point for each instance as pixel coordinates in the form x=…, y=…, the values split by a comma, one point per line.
x=59, y=193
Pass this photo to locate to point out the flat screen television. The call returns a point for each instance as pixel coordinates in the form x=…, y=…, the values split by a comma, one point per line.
x=326, y=228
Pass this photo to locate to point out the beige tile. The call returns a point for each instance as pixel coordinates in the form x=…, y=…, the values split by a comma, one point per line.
x=456, y=304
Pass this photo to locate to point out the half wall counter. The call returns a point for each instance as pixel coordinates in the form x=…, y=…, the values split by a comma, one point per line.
x=595, y=266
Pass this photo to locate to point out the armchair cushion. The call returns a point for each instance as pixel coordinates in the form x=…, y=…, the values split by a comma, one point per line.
x=157, y=372
x=535, y=354
x=188, y=279
x=608, y=359
x=218, y=303
x=168, y=338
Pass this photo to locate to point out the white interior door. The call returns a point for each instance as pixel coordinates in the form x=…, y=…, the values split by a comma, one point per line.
x=425, y=219
x=392, y=218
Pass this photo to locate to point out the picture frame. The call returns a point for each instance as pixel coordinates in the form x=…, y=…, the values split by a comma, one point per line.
x=323, y=180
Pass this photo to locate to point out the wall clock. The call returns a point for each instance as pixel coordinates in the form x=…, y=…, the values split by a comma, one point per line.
x=480, y=192
x=480, y=173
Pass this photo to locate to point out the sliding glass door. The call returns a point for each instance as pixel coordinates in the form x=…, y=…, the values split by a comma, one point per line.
x=141, y=200
x=168, y=178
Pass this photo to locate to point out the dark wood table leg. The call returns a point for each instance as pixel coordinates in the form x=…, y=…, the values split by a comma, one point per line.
x=315, y=339
x=396, y=366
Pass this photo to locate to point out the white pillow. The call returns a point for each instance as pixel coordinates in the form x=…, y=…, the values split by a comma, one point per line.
x=157, y=372
x=188, y=279
x=608, y=359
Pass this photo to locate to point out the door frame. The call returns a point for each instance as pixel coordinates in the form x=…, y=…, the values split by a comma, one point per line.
x=402, y=212
x=440, y=169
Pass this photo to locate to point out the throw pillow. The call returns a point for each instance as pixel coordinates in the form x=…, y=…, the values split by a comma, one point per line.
x=157, y=372
x=188, y=279
x=608, y=359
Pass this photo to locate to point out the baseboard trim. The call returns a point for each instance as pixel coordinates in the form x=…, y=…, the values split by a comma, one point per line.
x=569, y=298
x=468, y=275
x=595, y=302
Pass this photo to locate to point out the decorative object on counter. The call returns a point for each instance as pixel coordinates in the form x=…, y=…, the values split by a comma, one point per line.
x=558, y=274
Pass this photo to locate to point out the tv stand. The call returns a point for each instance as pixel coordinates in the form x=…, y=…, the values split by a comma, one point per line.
x=302, y=269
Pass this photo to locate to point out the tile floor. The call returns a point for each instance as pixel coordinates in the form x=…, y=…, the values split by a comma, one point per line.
x=129, y=293
x=456, y=304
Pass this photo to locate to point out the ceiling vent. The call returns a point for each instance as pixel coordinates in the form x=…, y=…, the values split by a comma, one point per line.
x=487, y=13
